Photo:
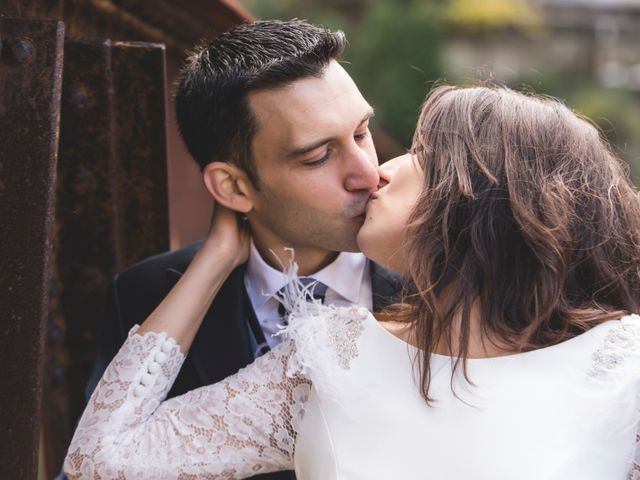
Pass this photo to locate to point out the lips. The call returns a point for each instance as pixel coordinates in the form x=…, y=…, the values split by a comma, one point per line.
x=372, y=197
x=359, y=210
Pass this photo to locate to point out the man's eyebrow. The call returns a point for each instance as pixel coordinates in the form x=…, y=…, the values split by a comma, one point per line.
x=311, y=147
x=369, y=115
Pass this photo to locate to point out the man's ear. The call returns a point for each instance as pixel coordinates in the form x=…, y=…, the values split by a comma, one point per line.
x=228, y=185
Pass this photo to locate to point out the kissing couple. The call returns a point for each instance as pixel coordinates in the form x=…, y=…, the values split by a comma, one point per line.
x=504, y=346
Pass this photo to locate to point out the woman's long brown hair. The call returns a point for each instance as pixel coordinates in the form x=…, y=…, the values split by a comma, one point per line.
x=526, y=216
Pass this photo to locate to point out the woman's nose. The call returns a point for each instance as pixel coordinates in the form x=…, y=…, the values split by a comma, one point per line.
x=388, y=169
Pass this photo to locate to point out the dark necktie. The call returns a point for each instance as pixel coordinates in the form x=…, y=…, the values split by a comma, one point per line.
x=316, y=291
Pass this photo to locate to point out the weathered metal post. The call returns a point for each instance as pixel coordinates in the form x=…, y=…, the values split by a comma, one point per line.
x=110, y=195
x=111, y=207
x=30, y=86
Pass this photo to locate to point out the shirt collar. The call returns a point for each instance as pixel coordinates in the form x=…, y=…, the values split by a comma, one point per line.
x=343, y=276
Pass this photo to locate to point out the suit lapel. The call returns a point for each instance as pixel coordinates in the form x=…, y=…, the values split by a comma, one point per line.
x=386, y=286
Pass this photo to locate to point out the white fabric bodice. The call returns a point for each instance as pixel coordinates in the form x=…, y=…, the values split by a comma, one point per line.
x=545, y=414
x=338, y=400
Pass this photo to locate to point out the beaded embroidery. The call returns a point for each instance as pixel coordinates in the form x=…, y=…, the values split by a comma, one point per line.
x=634, y=473
x=345, y=326
x=618, y=342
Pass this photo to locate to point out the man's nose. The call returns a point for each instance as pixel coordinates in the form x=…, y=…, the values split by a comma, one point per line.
x=363, y=171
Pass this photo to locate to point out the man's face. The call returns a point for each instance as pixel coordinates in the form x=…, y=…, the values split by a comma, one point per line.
x=316, y=163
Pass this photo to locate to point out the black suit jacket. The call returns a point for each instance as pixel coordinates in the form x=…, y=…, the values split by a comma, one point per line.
x=224, y=343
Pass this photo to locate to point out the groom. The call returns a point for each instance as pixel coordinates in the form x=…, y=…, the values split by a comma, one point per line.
x=281, y=134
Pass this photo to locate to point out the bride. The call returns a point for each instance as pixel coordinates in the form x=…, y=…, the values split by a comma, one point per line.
x=514, y=354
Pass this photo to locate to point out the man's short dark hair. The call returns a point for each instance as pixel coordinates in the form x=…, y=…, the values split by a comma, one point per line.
x=212, y=107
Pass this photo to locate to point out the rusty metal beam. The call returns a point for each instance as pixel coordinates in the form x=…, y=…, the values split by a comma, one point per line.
x=140, y=150
x=229, y=10
x=179, y=24
x=30, y=83
x=141, y=26
x=186, y=21
x=12, y=8
x=84, y=258
x=32, y=9
x=111, y=208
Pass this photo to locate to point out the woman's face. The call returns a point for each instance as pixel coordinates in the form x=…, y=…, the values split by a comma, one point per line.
x=381, y=236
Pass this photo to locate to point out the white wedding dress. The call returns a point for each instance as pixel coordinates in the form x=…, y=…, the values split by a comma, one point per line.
x=337, y=400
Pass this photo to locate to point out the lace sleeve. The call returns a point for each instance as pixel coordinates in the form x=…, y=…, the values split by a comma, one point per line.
x=240, y=427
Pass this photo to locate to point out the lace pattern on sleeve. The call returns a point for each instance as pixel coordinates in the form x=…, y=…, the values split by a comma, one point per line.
x=240, y=427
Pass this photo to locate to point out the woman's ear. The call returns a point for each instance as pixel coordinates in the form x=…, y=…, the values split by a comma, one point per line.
x=228, y=185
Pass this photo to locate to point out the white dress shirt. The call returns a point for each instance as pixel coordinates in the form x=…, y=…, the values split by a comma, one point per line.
x=347, y=279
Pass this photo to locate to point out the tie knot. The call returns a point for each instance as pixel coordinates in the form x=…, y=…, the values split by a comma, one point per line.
x=313, y=289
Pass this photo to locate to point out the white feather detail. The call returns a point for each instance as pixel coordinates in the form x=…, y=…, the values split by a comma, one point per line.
x=325, y=336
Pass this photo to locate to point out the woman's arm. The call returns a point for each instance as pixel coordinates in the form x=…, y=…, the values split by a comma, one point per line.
x=183, y=309
x=239, y=427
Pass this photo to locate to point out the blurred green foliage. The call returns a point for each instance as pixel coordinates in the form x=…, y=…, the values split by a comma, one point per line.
x=410, y=34
x=395, y=55
x=489, y=15
x=617, y=113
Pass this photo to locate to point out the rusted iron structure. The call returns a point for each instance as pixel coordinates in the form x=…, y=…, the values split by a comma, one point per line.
x=111, y=205
x=30, y=76
x=68, y=225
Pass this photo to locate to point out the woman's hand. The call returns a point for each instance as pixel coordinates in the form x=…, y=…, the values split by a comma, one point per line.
x=226, y=247
x=228, y=233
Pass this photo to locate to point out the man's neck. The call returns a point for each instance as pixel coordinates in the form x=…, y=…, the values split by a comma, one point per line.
x=310, y=260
